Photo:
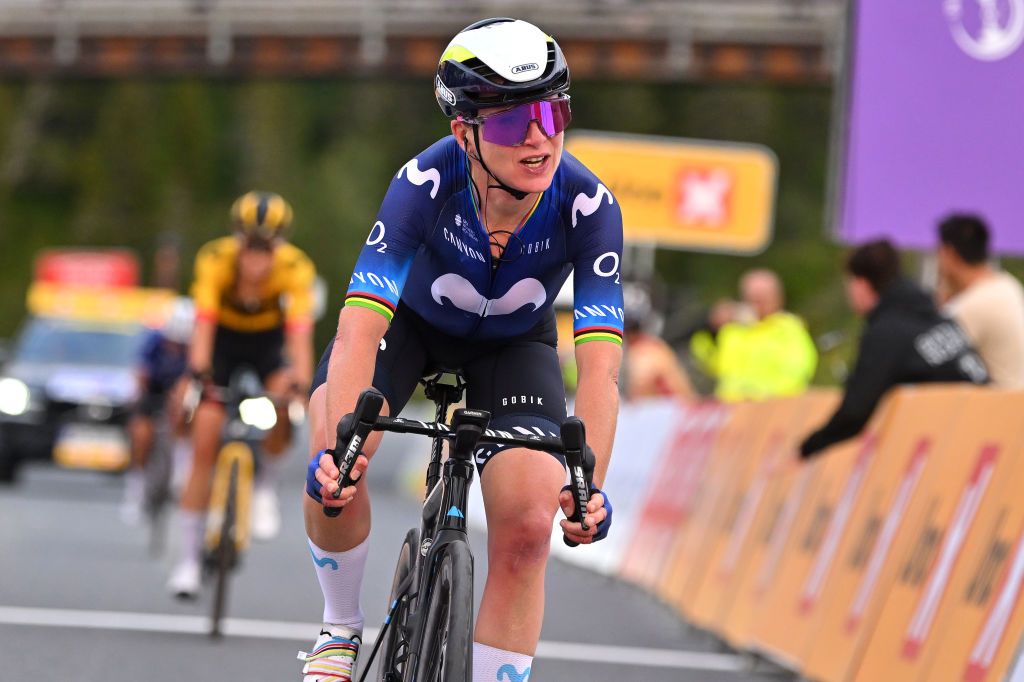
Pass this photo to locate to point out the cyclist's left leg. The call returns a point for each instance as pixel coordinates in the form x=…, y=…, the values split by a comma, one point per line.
x=141, y=430
x=521, y=385
x=206, y=431
x=266, y=516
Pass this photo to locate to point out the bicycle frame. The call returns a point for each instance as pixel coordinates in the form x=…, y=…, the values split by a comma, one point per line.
x=443, y=518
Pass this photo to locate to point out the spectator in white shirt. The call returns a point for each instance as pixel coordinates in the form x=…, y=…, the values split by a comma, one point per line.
x=986, y=302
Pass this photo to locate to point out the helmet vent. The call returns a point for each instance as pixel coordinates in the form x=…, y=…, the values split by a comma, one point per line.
x=481, y=69
x=551, y=60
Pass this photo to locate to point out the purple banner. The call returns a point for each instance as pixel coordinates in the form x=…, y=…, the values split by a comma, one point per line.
x=935, y=120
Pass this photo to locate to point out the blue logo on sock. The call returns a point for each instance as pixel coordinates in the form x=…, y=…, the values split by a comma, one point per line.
x=326, y=561
x=456, y=513
x=509, y=672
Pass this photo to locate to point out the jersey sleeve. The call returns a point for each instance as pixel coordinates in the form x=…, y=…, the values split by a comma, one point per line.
x=298, y=308
x=211, y=275
x=410, y=208
x=595, y=224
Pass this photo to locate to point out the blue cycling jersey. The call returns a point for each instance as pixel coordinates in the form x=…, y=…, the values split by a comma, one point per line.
x=430, y=249
x=162, y=362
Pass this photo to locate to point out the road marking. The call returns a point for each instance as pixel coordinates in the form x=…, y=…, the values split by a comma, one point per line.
x=303, y=632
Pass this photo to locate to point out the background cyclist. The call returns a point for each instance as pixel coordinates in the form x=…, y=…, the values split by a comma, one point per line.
x=162, y=363
x=253, y=293
x=474, y=239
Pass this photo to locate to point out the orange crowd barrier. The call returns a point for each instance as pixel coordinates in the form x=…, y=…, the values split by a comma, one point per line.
x=669, y=499
x=976, y=462
x=840, y=598
x=897, y=556
x=762, y=541
x=746, y=425
x=725, y=550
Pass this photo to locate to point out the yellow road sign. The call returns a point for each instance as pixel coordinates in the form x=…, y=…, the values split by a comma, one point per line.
x=686, y=194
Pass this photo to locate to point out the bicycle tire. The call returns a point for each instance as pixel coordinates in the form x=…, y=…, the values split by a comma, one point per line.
x=389, y=667
x=157, y=474
x=446, y=653
x=224, y=558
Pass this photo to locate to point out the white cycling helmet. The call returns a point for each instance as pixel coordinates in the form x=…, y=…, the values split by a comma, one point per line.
x=179, y=323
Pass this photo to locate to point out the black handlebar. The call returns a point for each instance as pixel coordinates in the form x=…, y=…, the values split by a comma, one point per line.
x=367, y=410
x=366, y=418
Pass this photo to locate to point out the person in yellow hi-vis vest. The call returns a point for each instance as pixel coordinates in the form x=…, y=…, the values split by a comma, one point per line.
x=769, y=354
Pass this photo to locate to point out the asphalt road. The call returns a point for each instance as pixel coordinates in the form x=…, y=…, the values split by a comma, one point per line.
x=81, y=598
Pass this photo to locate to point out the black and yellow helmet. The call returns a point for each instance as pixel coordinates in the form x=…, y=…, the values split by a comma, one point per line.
x=261, y=215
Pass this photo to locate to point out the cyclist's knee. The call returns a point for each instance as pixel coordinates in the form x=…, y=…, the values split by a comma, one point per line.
x=522, y=539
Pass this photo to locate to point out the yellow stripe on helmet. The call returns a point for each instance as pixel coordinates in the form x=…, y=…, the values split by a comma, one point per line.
x=456, y=53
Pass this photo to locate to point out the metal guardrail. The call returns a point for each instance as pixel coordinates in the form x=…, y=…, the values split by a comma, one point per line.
x=676, y=26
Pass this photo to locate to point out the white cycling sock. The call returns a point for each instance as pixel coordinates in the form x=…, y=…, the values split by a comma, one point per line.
x=181, y=460
x=270, y=470
x=193, y=526
x=341, y=580
x=491, y=664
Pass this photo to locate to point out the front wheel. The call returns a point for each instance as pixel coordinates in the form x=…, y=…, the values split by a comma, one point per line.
x=395, y=650
x=446, y=654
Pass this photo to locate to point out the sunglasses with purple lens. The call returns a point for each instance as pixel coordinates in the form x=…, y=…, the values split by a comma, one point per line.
x=510, y=127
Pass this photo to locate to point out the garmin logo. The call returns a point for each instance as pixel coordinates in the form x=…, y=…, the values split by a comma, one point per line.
x=443, y=92
x=523, y=68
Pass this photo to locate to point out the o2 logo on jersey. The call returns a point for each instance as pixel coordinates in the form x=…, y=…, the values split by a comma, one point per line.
x=607, y=265
x=376, y=237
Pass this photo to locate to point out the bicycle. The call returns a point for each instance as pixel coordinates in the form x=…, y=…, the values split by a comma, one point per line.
x=157, y=474
x=427, y=632
x=249, y=416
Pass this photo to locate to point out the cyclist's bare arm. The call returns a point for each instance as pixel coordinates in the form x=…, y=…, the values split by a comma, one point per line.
x=597, y=404
x=597, y=398
x=299, y=347
x=349, y=371
x=200, y=350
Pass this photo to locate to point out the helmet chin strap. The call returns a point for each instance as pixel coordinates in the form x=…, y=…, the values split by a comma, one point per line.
x=517, y=194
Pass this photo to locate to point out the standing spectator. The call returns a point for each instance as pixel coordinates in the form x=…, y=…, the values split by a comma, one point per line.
x=905, y=341
x=770, y=355
x=987, y=303
x=650, y=366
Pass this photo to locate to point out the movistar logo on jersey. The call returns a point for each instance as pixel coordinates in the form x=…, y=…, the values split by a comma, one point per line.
x=588, y=205
x=417, y=177
x=461, y=293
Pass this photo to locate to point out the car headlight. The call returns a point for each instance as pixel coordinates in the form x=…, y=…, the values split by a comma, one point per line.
x=258, y=413
x=14, y=397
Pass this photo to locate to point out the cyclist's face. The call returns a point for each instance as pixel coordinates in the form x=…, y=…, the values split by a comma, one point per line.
x=254, y=264
x=528, y=167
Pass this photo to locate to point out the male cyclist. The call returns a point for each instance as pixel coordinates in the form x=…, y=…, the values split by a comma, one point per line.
x=474, y=239
x=253, y=293
x=162, y=363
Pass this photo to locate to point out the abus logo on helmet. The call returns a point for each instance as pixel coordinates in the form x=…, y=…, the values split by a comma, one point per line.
x=524, y=67
x=443, y=92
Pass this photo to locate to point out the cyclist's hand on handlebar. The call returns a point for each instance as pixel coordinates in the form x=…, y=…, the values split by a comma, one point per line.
x=596, y=516
x=326, y=474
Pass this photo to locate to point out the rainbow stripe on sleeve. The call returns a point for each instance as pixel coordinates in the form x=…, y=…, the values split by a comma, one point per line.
x=597, y=334
x=375, y=303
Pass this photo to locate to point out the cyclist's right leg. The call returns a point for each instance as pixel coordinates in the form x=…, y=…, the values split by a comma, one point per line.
x=339, y=545
x=141, y=434
x=206, y=432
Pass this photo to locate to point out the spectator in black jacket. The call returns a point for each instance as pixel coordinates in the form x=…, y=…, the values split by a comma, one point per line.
x=905, y=341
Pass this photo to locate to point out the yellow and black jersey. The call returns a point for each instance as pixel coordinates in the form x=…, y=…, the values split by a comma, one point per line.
x=286, y=297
